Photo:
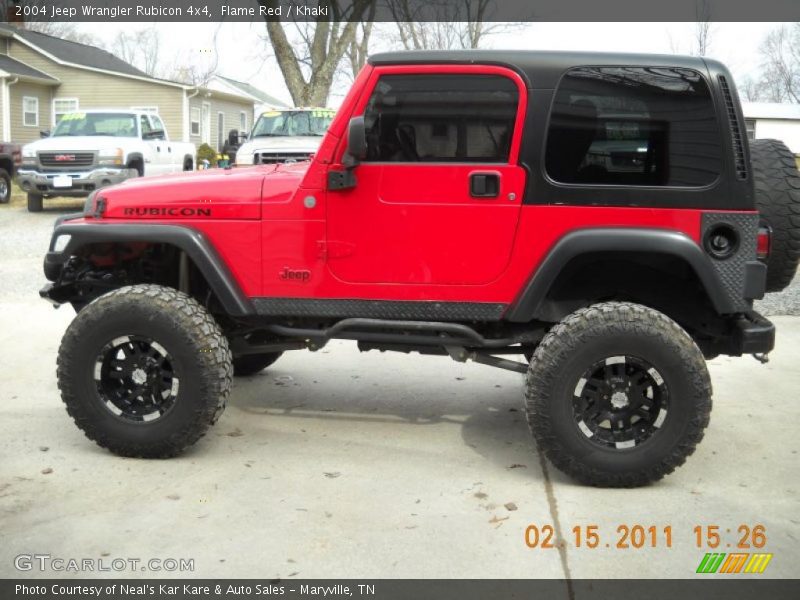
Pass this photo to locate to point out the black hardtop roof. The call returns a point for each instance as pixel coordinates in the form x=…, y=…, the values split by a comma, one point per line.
x=542, y=68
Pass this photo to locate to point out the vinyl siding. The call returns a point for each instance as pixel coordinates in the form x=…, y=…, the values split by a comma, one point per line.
x=99, y=90
x=229, y=107
x=20, y=133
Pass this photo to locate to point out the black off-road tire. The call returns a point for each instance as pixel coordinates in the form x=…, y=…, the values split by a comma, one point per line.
x=250, y=364
x=777, y=185
x=594, y=334
x=5, y=187
x=198, y=353
x=35, y=202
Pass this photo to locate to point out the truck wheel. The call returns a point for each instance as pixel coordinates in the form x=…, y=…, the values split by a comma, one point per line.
x=617, y=395
x=5, y=187
x=35, y=203
x=250, y=364
x=144, y=371
x=777, y=185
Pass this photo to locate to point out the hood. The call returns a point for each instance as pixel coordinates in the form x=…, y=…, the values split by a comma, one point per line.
x=212, y=194
x=80, y=142
x=305, y=143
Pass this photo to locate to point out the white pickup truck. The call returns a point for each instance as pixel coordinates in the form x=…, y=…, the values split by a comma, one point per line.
x=281, y=136
x=92, y=149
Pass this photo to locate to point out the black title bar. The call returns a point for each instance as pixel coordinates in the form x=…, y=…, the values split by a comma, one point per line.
x=205, y=11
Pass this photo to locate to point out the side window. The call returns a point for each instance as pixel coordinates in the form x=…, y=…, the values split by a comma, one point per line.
x=441, y=118
x=638, y=126
x=145, y=125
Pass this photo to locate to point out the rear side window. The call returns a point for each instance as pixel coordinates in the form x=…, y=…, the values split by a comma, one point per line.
x=638, y=126
x=441, y=118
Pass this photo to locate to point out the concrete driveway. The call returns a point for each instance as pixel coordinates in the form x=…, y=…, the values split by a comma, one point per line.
x=341, y=464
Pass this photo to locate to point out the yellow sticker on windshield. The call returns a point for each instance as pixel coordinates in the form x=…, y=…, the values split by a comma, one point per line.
x=321, y=114
x=271, y=113
x=73, y=117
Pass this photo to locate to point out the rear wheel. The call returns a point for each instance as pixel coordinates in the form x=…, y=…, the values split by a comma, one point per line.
x=35, y=202
x=617, y=395
x=777, y=186
x=250, y=364
x=144, y=371
x=5, y=186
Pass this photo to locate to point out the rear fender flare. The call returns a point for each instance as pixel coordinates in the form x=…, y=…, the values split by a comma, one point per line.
x=631, y=240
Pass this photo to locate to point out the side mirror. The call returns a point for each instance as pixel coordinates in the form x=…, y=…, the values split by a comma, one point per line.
x=356, y=142
x=233, y=137
x=44, y=134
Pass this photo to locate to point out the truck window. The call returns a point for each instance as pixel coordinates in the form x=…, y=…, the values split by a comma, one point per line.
x=441, y=118
x=110, y=124
x=639, y=126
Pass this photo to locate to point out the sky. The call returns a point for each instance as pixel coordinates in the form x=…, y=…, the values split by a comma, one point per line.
x=244, y=53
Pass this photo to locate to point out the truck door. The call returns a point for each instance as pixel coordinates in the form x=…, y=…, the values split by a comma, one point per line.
x=156, y=161
x=437, y=199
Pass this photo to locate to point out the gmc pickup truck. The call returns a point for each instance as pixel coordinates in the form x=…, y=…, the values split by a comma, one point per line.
x=92, y=149
x=281, y=136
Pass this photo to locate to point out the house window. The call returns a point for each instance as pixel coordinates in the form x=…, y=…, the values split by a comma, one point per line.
x=633, y=126
x=195, y=129
x=63, y=106
x=243, y=121
x=30, y=111
x=750, y=125
x=220, y=131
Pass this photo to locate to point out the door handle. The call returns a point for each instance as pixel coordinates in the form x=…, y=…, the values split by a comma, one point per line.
x=484, y=185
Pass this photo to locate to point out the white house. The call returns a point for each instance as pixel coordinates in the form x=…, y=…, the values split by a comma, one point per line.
x=773, y=120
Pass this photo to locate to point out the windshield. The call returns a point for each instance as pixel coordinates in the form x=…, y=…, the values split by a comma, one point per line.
x=293, y=123
x=111, y=124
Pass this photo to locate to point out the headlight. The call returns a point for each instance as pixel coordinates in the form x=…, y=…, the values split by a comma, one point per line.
x=110, y=156
x=28, y=152
x=61, y=242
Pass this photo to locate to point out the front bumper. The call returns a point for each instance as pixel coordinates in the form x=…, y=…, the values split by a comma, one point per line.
x=83, y=182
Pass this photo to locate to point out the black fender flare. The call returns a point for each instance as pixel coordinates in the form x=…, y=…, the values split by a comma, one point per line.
x=196, y=246
x=617, y=239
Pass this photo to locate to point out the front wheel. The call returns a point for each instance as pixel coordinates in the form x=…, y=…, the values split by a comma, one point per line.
x=35, y=202
x=617, y=395
x=5, y=186
x=144, y=371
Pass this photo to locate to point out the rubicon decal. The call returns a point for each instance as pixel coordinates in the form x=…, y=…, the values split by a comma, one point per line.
x=734, y=562
x=162, y=211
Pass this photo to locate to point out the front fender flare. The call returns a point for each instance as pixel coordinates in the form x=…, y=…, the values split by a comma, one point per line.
x=192, y=242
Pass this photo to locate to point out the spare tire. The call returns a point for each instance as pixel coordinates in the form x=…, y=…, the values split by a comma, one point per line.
x=777, y=187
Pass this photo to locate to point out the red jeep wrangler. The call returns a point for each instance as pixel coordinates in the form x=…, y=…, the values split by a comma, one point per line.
x=594, y=213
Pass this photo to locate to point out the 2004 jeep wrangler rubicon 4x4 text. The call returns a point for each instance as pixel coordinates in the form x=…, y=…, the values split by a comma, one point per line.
x=602, y=215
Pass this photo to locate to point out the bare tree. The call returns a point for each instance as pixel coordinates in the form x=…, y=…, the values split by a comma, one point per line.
x=310, y=64
x=750, y=89
x=358, y=50
x=445, y=24
x=139, y=48
x=780, y=51
x=703, y=29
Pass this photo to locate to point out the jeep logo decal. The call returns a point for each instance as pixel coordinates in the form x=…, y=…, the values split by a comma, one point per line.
x=301, y=275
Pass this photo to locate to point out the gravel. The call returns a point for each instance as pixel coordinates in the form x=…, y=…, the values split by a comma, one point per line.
x=24, y=238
